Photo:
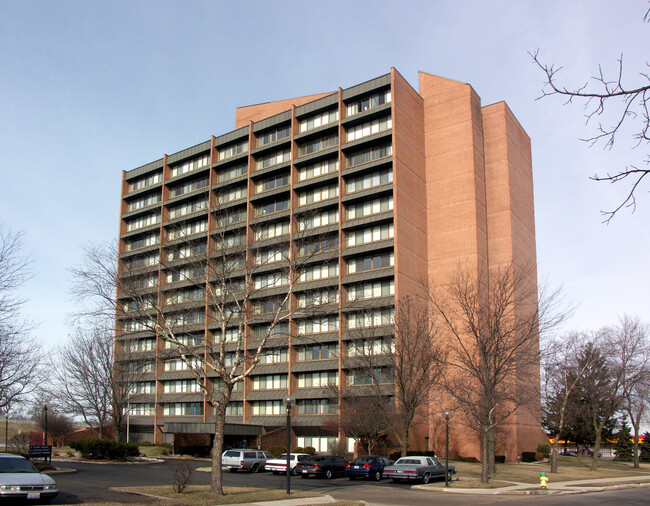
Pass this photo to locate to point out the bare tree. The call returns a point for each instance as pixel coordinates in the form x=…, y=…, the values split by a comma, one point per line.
x=396, y=374
x=356, y=420
x=630, y=357
x=603, y=95
x=58, y=424
x=564, y=362
x=491, y=327
x=20, y=353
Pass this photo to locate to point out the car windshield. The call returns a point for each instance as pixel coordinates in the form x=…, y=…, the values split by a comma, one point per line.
x=408, y=461
x=231, y=454
x=11, y=465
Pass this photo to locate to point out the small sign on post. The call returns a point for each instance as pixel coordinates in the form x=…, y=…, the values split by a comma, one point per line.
x=40, y=451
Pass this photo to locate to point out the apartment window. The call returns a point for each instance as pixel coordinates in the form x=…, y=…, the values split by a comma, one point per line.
x=146, y=201
x=319, y=245
x=273, y=159
x=370, y=207
x=148, y=281
x=270, y=279
x=317, y=194
x=314, y=272
x=318, y=352
x=235, y=408
x=145, y=181
x=367, y=181
x=141, y=367
x=268, y=408
x=368, y=102
x=139, y=325
x=317, y=379
x=273, y=206
x=270, y=382
x=142, y=387
x=270, y=305
x=139, y=345
x=230, y=239
x=143, y=221
x=370, y=234
x=233, y=150
x=369, y=128
x=317, y=406
x=274, y=135
x=370, y=347
x=268, y=256
x=187, y=229
x=138, y=304
x=271, y=183
x=318, y=297
x=271, y=230
x=218, y=385
x=229, y=217
x=369, y=263
x=320, y=444
x=314, y=145
x=274, y=356
x=281, y=329
x=231, y=334
x=141, y=409
x=187, y=318
x=143, y=241
x=374, y=318
x=181, y=365
x=185, y=273
x=183, y=409
x=188, y=208
x=366, y=155
x=371, y=290
x=181, y=386
x=189, y=340
x=188, y=187
x=318, y=325
x=319, y=219
x=143, y=261
x=184, y=168
x=193, y=294
x=318, y=120
x=232, y=194
x=318, y=169
x=232, y=172
x=375, y=377
x=232, y=285
x=187, y=251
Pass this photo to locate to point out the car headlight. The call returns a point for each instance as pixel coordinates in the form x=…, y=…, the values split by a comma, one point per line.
x=50, y=487
x=10, y=488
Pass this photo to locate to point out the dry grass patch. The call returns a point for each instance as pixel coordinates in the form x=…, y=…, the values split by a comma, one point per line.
x=473, y=483
x=200, y=494
x=569, y=469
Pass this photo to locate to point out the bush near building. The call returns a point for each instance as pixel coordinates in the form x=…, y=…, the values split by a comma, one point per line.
x=105, y=449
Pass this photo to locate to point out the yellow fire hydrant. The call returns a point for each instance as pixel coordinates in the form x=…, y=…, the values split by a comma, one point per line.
x=543, y=479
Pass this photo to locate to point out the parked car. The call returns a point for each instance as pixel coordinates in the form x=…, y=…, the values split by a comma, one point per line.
x=20, y=480
x=417, y=468
x=367, y=466
x=279, y=465
x=568, y=453
x=322, y=465
x=244, y=460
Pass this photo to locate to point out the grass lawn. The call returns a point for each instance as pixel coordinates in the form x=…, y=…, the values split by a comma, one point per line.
x=569, y=469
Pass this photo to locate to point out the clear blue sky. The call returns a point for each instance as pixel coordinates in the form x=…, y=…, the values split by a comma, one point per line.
x=88, y=89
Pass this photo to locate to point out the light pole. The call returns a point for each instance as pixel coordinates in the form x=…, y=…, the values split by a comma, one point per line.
x=447, y=413
x=288, y=402
x=7, y=431
x=45, y=411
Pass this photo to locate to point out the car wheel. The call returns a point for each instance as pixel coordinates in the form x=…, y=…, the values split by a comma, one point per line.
x=294, y=472
x=378, y=476
x=255, y=468
x=328, y=474
x=425, y=478
x=232, y=470
x=449, y=475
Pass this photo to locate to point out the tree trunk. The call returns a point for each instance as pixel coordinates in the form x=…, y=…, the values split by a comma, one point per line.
x=636, y=444
x=404, y=443
x=484, y=457
x=492, y=468
x=554, y=453
x=216, y=483
x=594, y=457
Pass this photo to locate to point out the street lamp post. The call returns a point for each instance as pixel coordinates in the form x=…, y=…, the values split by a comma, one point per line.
x=446, y=413
x=45, y=442
x=288, y=402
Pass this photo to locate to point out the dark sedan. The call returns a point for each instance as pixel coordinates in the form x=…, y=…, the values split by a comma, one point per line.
x=321, y=465
x=367, y=466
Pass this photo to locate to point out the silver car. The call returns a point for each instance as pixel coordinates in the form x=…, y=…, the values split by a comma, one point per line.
x=244, y=460
x=19, y=479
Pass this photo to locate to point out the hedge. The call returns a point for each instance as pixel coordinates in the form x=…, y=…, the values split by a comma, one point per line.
x=105, y=449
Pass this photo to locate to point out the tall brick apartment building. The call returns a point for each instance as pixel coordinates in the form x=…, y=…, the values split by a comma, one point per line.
x=402, y=185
